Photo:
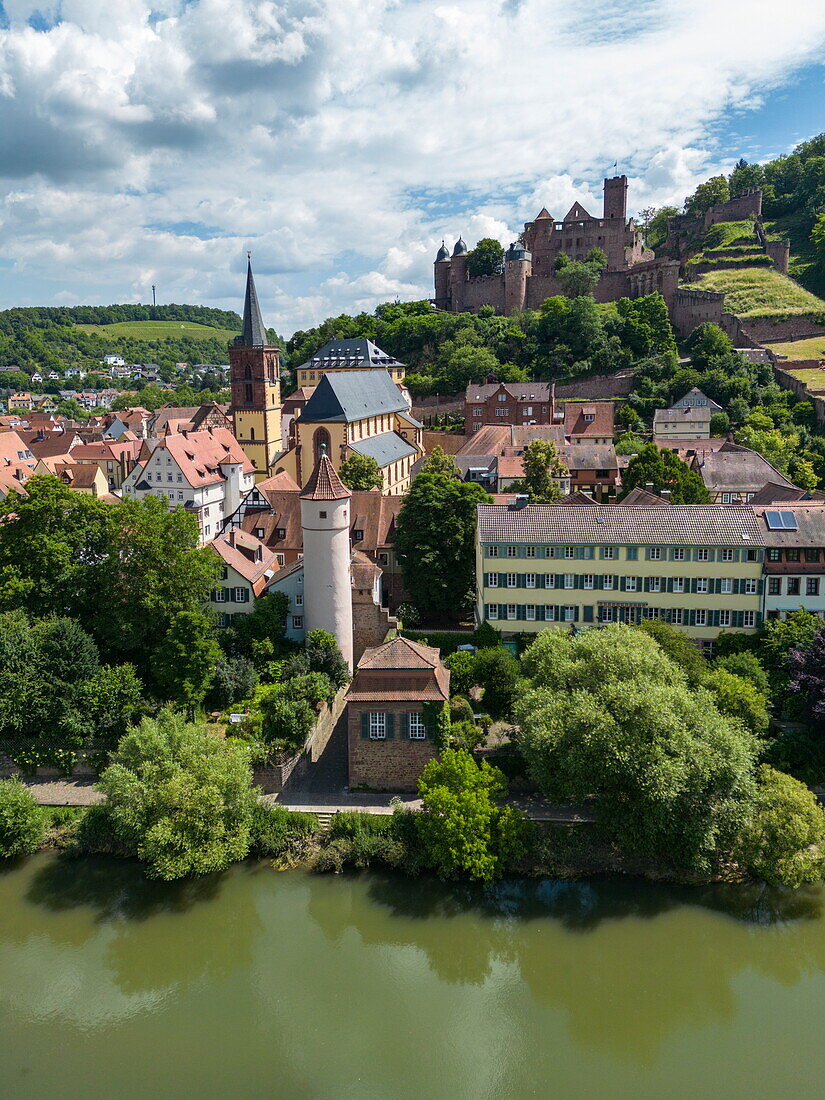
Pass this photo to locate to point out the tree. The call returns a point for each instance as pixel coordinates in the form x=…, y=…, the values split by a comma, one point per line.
x=461, y=830
x=818, y=238
x=628, y=420
x=71, y=409
x=708, y=194
x=577, y=278
x=777, y=639
x=664, y=470
x=654, y=223
x=497, y=674
x=113, y=697
x=609, y=715
x=462, y=666
x=180, y=798
x=783, y=839
x=361, y=472
x=186, y=660
x=745, y=177
x=469, y=364
x=806, y=669
x=707, y=345
x=435, y=538
x=679, y=648
x=719, y=423
x=235, y=679
x=22, y=825
x=749, y=667
x=738, y=698
x=646, y=327
x=265, y=624
x=324, y=656
x=486, y=258
x=543, y=468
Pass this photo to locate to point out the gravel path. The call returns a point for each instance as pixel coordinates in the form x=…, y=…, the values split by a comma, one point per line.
x=65, y=792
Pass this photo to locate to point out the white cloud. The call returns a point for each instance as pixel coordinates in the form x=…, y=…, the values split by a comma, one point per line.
x=341, y=139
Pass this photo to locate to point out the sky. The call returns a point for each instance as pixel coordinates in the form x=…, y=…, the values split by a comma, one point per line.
x=340, y=140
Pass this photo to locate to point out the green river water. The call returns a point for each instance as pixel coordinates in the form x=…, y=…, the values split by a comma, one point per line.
x=260, y=984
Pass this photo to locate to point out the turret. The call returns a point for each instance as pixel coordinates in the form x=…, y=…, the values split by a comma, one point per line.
x=325, y=520
x=518, y=266
x=458, y=275
x=441, y=278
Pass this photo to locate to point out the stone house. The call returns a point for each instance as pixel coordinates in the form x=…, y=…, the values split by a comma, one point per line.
x=391, y=731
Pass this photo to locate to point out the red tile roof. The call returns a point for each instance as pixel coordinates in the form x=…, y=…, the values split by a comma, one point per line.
x=324, y=483
x=200, y=455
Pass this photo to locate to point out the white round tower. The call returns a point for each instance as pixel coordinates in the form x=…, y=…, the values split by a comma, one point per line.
x=325, y=520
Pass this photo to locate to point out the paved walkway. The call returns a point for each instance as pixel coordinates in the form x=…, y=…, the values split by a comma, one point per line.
x=65, y=792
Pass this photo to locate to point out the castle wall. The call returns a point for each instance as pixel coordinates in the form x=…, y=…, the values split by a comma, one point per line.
x=695, y=307
x=486, y=290
x=739, y=209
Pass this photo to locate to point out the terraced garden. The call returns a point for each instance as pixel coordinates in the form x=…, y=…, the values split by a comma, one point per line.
x=760, y=292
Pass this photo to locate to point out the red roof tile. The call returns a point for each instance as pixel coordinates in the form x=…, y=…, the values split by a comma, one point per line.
x=324, y=483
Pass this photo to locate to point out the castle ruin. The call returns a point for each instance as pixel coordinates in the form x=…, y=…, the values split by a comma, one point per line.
x=528, y=274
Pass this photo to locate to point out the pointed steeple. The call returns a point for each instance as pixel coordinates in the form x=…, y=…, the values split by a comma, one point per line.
x=324, y=483
x=253, y=334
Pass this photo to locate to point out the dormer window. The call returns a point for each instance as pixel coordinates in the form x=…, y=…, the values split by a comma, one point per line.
x=259, y=532
x=502, y=397
x=280, y=532
x=357, y=535
x=589, y=418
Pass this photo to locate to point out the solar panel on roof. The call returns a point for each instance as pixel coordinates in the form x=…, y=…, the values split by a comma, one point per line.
x=788, y=521
x=774, y=521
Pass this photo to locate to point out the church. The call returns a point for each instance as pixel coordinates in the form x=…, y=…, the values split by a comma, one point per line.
x=356, y=407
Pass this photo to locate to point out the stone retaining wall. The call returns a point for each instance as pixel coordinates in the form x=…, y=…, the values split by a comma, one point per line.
x=274, y=778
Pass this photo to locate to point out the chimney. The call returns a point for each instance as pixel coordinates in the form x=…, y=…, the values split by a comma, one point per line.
x=520, y=501
x=665, y=494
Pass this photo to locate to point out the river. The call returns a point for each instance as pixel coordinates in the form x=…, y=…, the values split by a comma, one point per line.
x=264, y=984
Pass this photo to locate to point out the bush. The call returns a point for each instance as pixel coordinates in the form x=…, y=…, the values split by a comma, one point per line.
x=22, y=821
x=461, y=830
x=278, y=833
x=460, y=709
x=783, y=840
x=95, y=834
x=351, y=824
x=362, y=840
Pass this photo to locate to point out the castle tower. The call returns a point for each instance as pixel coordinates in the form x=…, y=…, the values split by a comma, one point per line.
x=518, y=266
x=458, y=276
x=325, y=520
x=254, y=369
x=615, y=198
x=441, y=278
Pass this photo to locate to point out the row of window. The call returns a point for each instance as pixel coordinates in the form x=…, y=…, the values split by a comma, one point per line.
x=633, y=613
x=775, y=554
x=793, y=586
x=733, y=586
x=612, y=553
x=237, y=595
x=378, y=725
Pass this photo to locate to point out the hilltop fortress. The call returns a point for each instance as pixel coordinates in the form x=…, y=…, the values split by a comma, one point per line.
x=528, y=278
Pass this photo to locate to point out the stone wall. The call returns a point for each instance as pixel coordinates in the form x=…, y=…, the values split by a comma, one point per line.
x=739, y=209
x=695, y=307
x=390, y=765
x=370, y=623
x=275, y=777
x=764, y=330
x=599, y=386
x=485, y=290
x=80, y=770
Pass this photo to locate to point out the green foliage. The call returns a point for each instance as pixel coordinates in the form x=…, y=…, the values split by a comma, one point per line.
x=324, y=656
x=715, y=190
x=679, y=648
x=235, y=679
x=462, y=666
x=783, y=840
x=664, y=470
x=749, y=667
x=653, y=223
x=543, y=468
x=266, y=623
x=438, y=720
x=719, y=424
x=279, y=833
x=185, y=661
x=351, y=824
x=361, y=472
x=113, y=700
x=461, y=829
x=610, y=715
x=22, y=822
x=737, y=697
x=486, y=258
x=497, y=673
x=180, y=799
x=435, y=538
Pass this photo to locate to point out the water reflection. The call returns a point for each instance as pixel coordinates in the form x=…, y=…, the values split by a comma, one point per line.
x=627, y=963
x=149, y=948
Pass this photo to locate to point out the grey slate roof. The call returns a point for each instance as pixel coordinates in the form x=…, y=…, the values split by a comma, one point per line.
x=355, y=352
x=385, y=449
x=683, y=412
x=737, y=469
x=618, y=524
x=810, y=519
x=353, y=395
x=253, y=332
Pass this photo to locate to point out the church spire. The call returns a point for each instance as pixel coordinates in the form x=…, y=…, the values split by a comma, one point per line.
x=254, y=333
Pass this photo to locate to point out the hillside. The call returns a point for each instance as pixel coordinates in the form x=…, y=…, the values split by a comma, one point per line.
x=54, y=338
x=159, y=330
x=759, y=292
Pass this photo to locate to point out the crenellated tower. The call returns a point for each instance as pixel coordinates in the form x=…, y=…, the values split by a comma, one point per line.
x=255, y=368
